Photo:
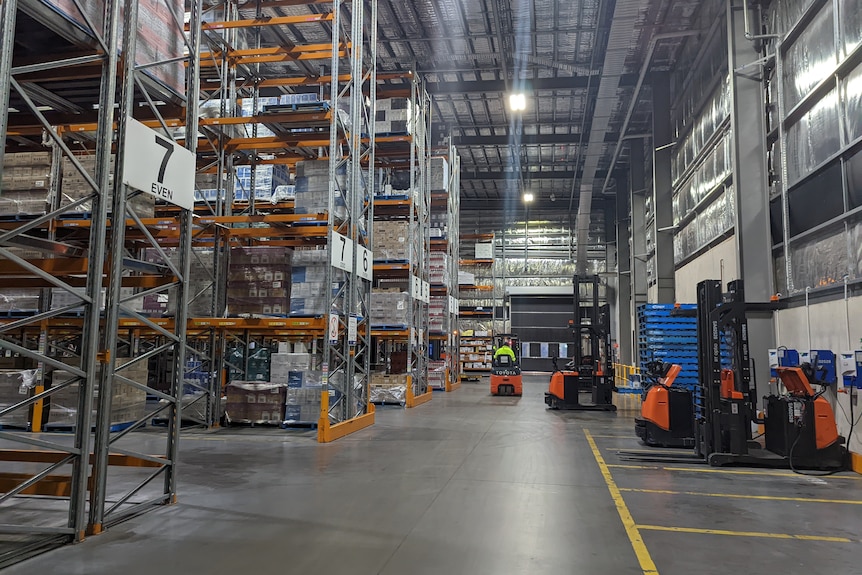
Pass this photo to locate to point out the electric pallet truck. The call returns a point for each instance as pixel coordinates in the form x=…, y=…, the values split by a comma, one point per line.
x=800, y=429
x=505, y=372
x=667, y=413
x=592, y=366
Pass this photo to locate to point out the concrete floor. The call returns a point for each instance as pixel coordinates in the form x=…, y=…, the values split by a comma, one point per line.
x=472, y=484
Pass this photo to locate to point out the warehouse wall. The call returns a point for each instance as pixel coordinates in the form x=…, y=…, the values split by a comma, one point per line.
x=721, y=262
x=828, y=327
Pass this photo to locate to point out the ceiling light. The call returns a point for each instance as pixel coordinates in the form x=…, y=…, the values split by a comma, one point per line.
x=528, y=197
x=518, y=102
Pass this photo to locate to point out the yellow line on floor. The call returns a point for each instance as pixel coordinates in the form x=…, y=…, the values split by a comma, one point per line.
x=644, y=558
x=744, y=533
x=615, y=437
x=727, y=471
x=739, y=496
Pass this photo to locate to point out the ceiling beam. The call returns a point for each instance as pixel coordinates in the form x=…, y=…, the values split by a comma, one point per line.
x=499, y=174
x=499, y=86
x=526, y=139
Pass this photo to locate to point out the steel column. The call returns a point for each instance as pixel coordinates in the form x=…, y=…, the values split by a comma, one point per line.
x=625, y=334
x=637, y=269
x=753, y=241
x=8, y=11
x=663, y=188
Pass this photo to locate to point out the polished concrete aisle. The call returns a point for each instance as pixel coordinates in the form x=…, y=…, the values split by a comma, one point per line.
x=471, y=484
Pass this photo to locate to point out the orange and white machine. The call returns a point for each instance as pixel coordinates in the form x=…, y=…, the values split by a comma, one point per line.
x=667, y=413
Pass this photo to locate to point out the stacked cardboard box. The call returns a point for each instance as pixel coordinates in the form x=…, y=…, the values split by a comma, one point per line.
x=308, y=278
x=19, y=300
x=259, y=280
x=437, y=374
x=128, y=403
x=26, y=183
x=312, y=188
x=386, y=388
x=15, y=386
x=438, y=310
x=439, y=225
x=438, y=174
x=266, y=179
x=199, y=284
x=390, y=308
x=302, y=404
x=74, y=187
x=255, y=402
x=438, y=268
x=62, y=298
x=394, y=116
x=391, y=240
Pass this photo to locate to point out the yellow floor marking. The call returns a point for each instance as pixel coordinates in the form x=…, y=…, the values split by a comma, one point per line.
x=644, y=558
x=737, y=496
x=728, y=471
x=744, y=533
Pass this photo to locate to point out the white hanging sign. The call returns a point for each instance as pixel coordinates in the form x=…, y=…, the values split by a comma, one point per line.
x=341, y=249
x=333, y=328
x=351, y=330
x=364, y=263
x=158, y=166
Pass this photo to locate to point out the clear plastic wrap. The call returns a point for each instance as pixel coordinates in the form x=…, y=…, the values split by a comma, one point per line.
x=810, y=58
x=855, y=231
x=814, y=138
x=15, y=387
x=852, y=92
x=785, y=13
x=255, y=402
x=851, y=19
x=819, y=261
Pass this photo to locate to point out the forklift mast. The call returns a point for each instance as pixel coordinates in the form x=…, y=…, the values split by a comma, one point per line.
x=592, y=323
x=725, y=401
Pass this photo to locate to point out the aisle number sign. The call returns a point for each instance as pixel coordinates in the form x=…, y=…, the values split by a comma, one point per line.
x=342, y=256
x=342, y=252
x=158, y=166
x=364, y=263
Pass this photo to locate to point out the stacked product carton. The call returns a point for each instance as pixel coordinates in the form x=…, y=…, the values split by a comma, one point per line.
x=385, y=388
x=128, y=403
x=255, y=402
x=259, y=280
x=394, y=116
x=15, y=386
x=312, y=188
x=438, y=310
x=390, y=308
x=199, y=284
x=438, y=174
x=439, y=268
x=26, y=183
x=74, y=187
x=309, y=290
x=391, y=240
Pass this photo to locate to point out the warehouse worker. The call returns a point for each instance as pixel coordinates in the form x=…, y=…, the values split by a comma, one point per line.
x=505, y=349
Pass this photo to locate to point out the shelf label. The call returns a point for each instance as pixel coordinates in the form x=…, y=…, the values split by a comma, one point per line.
x=364, y=262
x=333, y=328
x=342, y=252
x=158, y=166
x=415, y=287
x=351, y=330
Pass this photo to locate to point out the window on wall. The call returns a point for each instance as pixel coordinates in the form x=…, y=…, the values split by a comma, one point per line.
x=816, y=201
x=811, y=57
x=853, y=169
x=814, y=138
x=850, y=14
x=776, y=220
x=852, y=92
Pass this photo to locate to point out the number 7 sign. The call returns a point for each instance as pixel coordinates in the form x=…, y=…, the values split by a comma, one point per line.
x=157, y=166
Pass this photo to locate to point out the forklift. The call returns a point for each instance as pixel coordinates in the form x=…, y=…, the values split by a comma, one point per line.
x=800, y=428
x=505, y=373
x=591, y=368
x=667, y=413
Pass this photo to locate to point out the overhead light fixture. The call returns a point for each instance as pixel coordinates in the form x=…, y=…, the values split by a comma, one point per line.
x=553, y=197
x=528, y=197
x=518, y=102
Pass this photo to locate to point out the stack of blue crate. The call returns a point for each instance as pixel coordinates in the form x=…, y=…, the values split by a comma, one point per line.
x=665, y=335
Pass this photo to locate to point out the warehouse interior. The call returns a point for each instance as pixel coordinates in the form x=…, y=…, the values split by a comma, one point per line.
x=337, y=212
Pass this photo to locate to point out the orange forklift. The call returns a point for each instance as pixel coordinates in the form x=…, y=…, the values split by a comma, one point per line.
x=591, y=369
x=800, y=431
x=506, y=372
x=667, y=413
